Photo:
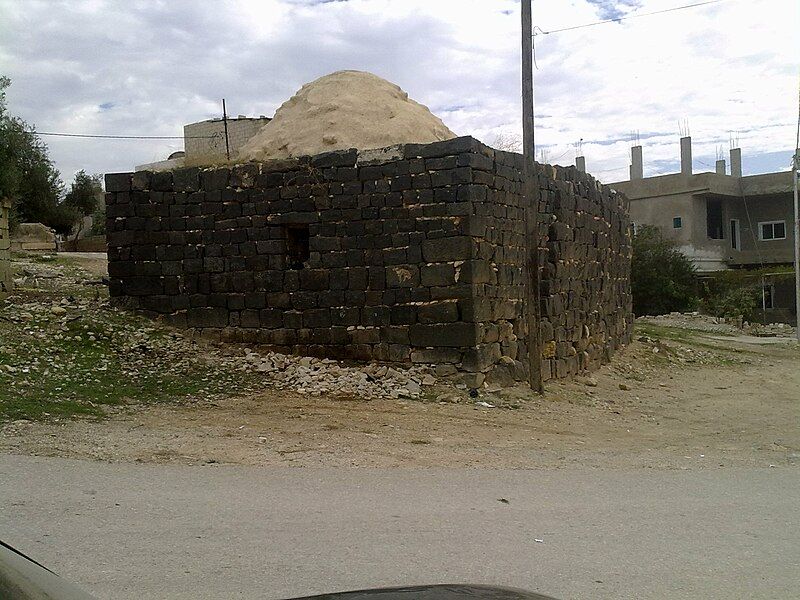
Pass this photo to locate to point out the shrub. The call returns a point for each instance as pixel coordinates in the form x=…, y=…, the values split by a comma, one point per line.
x=738, y=302
x=662, y=279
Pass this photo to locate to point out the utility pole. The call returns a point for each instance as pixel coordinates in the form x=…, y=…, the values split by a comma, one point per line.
x=795, y=175
x=225, y=123
x=531, y=200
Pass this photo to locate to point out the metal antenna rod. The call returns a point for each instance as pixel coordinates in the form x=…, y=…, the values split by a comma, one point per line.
x=225, y=122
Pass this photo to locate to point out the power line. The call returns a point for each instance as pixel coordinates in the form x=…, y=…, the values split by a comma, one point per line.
x=128, y=137
x=626, y=17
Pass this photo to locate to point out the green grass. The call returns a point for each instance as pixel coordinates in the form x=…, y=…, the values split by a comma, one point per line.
x=689, y=337
x=101, y=357
x=67, y=377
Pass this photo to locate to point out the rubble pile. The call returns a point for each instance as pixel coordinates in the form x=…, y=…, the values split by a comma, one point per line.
x=315, y=376
x=723, y=325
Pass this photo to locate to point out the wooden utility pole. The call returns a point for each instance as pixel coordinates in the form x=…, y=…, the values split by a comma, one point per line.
x=531, y=199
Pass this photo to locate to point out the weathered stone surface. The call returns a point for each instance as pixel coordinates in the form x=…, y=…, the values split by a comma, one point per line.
x=446, y=335
x=418, y=256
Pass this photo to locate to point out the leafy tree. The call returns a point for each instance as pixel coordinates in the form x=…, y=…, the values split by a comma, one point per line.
x=84, y=196
x=27, y=174
x=662, y=278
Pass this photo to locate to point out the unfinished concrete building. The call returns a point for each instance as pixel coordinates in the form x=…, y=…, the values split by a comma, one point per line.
x=412, y=254
x=723, y=220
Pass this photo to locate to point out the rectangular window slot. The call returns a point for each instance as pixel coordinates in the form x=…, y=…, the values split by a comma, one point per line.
x=714, y=219
x=297, y=246
x=677, y=222
x=736, y=243
x=768, y=296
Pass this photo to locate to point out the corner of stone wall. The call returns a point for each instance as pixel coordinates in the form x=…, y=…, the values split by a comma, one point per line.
x=6, y=280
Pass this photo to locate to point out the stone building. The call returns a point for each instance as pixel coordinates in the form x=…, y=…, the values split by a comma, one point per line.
x=414, y=253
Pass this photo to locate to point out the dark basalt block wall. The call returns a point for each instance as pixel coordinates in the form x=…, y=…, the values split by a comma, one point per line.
x=413, y=254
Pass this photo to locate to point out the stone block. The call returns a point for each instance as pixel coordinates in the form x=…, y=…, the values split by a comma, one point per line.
x=203, y=317
x=481, y=357
x=161, y=181
x=186, y=180
x=447, y=249
x=438, y=312
x=402, y=276
x=435, y=355
x=118, y=182
x=457, y=334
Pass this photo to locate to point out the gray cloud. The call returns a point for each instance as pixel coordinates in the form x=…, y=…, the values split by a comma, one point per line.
x=97, y=66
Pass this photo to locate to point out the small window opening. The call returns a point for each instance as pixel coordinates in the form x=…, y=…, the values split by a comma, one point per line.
x=714, y=219
x=677, y=222
x=735, y=243
x=768, y=295
x=297, y=246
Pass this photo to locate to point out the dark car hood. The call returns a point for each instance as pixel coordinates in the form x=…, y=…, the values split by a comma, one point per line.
x=433, y=592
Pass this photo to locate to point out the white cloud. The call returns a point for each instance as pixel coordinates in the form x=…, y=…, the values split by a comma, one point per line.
x=150, y=67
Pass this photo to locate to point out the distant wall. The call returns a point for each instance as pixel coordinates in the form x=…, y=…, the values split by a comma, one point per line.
x=5, y=249
x=33, y=237
x=92, y=243
x=418, y=256
x=206, y=139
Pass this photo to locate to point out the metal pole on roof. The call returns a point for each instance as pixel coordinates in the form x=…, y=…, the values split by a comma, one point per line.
x=531, y=195
x=225, y=122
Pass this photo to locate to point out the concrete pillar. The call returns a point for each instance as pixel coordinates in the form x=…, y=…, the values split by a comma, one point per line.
x=736, y=162
x=686, y=155
x=637, y=166
x=721, y=167
x=580, y=162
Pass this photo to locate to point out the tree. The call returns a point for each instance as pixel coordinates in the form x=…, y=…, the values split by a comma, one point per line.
x=84, y=196
x=662, y=278
x=27, y=174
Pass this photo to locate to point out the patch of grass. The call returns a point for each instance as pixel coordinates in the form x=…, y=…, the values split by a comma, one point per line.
x=95, y=357
x=690, y=337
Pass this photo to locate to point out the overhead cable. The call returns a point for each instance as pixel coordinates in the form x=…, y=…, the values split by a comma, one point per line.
x=625, y=17
x=128, y=137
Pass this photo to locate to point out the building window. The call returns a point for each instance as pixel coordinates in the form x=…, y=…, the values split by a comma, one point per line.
x=736, y=243
x=714, y=219
x=677, y=222
x=772, y=230
x=768, y=296
x=297, y=246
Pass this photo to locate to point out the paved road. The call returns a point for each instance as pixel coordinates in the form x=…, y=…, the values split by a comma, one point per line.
x=147, y=531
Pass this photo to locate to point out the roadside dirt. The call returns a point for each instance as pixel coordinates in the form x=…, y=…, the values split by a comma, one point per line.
x=677, y=416
x=677, y=398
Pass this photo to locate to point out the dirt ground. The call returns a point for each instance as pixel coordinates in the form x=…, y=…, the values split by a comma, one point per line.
x=672, y=416
x=675, y=399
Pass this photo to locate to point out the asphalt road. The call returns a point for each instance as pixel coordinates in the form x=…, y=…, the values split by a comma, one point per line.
x=148, y=531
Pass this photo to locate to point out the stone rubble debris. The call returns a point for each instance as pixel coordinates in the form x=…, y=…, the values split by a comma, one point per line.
x=315, y=376
x=722, y=325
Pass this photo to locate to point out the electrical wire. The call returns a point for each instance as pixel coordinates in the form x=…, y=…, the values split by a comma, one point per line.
x=128, y=137
x=626, y=17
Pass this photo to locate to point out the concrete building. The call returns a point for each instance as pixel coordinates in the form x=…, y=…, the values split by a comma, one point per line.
x=721, y=220
x=204, y=141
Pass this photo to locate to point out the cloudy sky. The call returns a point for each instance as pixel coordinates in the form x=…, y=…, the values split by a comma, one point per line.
x=148, y=67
